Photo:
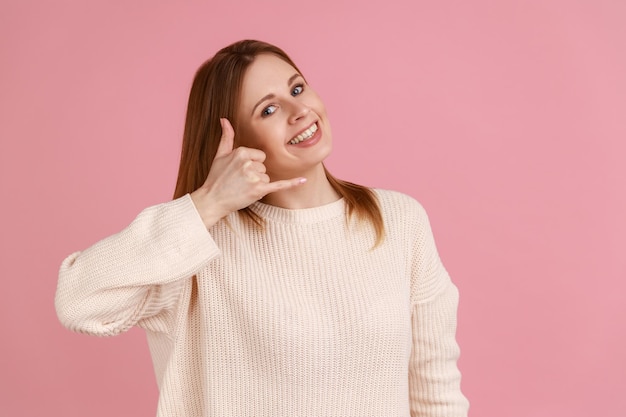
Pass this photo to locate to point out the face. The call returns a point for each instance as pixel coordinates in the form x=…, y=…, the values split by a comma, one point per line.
x=280, y=114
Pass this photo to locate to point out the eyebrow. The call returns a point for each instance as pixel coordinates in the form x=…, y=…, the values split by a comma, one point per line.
x=269, y=96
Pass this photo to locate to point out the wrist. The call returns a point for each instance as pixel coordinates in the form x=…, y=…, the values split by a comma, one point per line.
x=209, y=213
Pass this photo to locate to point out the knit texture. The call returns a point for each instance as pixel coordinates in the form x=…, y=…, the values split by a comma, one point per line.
x=301, y=318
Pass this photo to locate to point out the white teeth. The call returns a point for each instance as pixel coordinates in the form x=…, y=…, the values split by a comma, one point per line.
x=304, y=135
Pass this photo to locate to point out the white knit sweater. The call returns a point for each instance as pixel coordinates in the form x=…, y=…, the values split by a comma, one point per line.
x=301, y=318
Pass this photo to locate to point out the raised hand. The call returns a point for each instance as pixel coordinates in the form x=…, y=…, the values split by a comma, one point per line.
x=237, y=179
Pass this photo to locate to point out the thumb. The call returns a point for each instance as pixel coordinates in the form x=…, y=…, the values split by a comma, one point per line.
x=227, y=140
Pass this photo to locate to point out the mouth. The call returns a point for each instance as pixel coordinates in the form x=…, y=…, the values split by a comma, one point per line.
x=304, y=135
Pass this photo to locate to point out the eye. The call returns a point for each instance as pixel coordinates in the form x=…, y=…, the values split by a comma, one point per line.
x=268, y=111
x=297, y=90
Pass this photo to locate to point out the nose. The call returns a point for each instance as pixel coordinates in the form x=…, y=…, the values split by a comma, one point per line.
x=299, y=111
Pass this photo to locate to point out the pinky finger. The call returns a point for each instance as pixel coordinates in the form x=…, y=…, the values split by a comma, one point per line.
x=283, y=184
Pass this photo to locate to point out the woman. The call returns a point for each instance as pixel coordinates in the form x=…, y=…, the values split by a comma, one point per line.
x=267, y=287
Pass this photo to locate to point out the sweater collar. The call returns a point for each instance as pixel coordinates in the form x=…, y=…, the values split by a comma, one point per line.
x=307, y=215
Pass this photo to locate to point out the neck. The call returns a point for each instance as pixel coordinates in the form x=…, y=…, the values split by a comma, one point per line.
x=315, y=192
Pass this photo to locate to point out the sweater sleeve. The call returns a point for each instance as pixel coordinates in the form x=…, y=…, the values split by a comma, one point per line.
x=434, y=378
x=136, y=273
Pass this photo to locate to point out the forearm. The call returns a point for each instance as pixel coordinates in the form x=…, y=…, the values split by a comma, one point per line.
x=434, y=378
x=136, y=273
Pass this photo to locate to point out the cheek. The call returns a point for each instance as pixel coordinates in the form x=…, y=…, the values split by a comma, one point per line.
x=318, y=104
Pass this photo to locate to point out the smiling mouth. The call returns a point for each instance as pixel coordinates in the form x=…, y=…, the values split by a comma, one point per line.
x=307, y=134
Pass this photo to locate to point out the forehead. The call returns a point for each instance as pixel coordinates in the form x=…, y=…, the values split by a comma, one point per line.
x=268, y=74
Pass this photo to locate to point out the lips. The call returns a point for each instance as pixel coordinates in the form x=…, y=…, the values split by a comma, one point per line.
x=304, y=135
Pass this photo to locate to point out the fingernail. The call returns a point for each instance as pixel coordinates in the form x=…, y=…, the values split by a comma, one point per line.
x=302, y=180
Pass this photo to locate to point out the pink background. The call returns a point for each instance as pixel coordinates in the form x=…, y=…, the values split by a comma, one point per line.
x=506, y=119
